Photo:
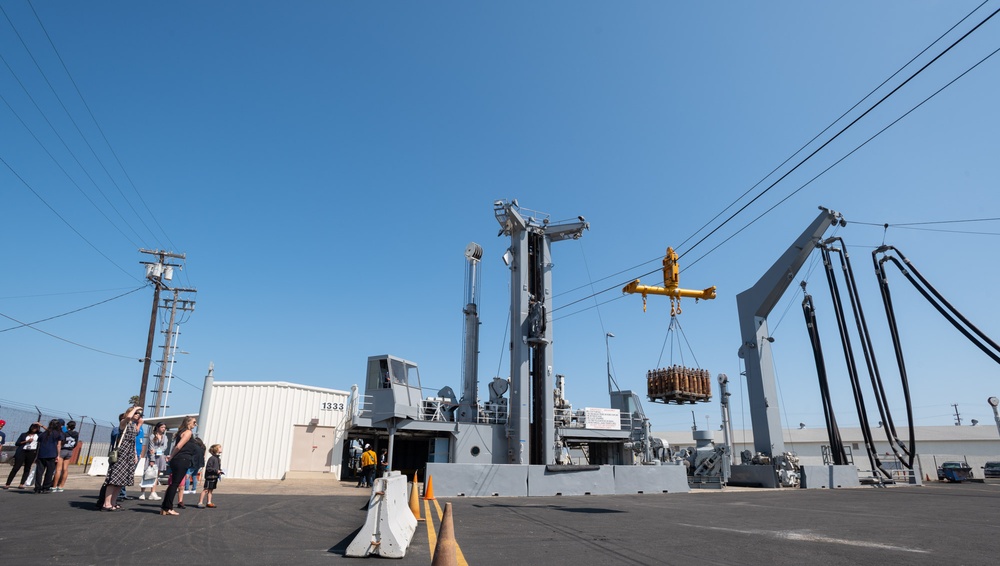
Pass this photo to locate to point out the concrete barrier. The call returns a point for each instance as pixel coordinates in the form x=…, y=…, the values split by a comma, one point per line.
x=98, y=466
x=829, y=477
x=571, y=480
x=390, y=524
x=651, y=479
x=479, y=480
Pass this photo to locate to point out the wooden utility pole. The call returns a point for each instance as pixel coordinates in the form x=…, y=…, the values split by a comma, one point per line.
x=156, y=272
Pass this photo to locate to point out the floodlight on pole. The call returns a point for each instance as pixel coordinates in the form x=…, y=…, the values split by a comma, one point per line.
x=994, y=402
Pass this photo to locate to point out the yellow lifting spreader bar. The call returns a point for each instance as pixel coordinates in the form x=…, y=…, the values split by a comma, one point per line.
x=671, y=282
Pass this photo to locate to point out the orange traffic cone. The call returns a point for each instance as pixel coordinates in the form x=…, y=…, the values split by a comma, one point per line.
x=927, y=477
x=429, y=488
x=446, y=551
x=414, y=498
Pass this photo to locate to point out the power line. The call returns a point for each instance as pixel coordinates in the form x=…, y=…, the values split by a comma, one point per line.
x=66, y=222
x=838, y=119
x=849, y=125
x=53, y=128
x=63, y=169
x=772, y=185
x=70, y=312
x=103, y=135
x=59, y=294
x=29, y=325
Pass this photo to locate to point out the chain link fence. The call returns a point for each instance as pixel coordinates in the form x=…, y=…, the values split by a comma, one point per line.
x=95, y=434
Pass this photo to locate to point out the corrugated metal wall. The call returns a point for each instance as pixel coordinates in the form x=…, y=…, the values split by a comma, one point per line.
x=253, y=421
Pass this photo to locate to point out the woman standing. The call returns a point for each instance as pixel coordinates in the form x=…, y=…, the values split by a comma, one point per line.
x=69, y=444
x=181, y=458
x=49, y=447
x=24, y=455
x=122, y=472
x=156, y=455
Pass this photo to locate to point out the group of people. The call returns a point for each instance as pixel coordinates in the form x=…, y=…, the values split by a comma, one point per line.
x=50, y=448
x=186, y=458
x=370, y=463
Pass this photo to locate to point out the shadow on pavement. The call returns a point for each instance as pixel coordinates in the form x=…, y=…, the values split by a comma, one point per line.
x=341, y=547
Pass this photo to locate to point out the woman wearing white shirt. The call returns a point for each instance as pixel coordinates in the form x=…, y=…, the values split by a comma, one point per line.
x=27, y=448
x=156, y=455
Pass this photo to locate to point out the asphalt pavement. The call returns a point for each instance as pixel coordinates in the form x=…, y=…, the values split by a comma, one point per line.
x=306, y=522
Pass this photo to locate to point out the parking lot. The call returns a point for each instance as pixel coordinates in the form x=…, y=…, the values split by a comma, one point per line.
x=304, y=523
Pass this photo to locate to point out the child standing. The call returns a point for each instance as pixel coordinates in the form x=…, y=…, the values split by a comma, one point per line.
x=213, y=470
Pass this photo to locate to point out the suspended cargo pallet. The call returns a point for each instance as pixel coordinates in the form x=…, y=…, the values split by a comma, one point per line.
x=678, y=384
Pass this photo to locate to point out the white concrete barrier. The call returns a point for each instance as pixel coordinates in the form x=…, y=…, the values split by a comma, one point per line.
x=98, y=466
x=390, y=524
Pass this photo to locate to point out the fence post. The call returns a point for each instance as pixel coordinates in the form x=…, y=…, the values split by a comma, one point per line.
x=93, y=431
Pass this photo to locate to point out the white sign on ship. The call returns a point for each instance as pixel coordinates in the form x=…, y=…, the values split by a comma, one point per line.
x=602, y=419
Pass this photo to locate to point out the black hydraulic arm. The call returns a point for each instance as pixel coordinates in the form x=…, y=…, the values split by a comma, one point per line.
x=908, y=451
x=852, y=369
x=833, y=431
x=969, y=330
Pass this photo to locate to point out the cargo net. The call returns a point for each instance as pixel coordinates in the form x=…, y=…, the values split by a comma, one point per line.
x=678, y=384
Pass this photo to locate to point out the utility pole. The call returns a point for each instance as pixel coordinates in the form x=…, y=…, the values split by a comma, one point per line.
x=159, y=404
x=156, y=272
x=958, y=417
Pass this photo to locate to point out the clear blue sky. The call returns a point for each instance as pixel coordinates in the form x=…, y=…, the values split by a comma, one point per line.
x=324, y=164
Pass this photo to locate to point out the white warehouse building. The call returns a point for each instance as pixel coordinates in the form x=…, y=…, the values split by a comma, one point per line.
x=274, y=430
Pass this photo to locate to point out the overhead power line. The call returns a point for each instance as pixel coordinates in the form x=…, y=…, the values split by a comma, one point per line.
x=29, y=325
x=22, y=325
x=60, y=217
x=56, y=132
x=831, y=124
x=813, y=153
x=103, y=135
x=849, y=125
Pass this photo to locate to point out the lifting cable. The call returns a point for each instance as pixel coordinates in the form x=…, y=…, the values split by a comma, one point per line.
x=675, y=323
x=984, y=342
x=852, y=368
x=836, y=443
x=908, y=449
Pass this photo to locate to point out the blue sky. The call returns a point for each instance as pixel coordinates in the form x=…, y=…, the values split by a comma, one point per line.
x=324, y=164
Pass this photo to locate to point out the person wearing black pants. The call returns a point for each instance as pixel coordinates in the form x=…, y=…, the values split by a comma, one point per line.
x=178, y=468
x=45, y=469
x=180, y=459
x=49, y=446
x=24, y=456
x=25, y=459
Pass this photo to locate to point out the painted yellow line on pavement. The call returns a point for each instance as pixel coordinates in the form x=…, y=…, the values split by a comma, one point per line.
x=432, y=531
